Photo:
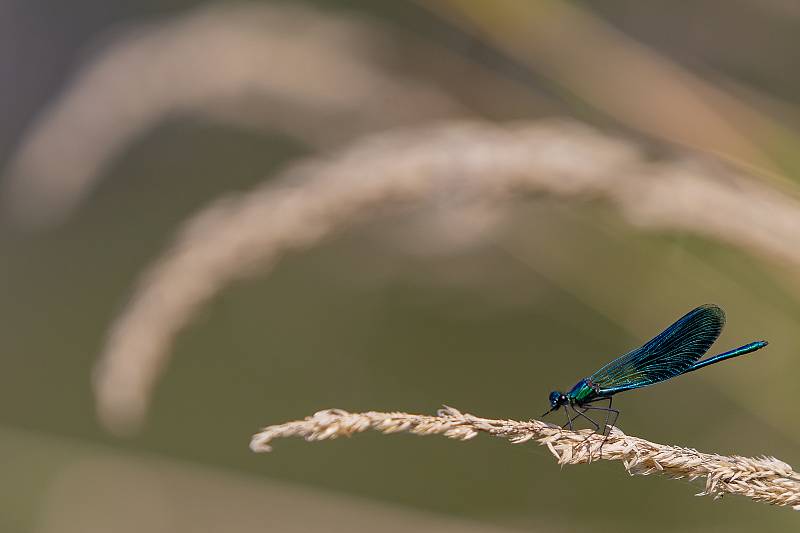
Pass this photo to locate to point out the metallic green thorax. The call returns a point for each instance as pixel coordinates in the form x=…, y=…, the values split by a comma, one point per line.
x=582, y=392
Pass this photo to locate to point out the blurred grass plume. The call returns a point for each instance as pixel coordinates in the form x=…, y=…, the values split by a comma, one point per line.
x=454, y=164
x=155, y=71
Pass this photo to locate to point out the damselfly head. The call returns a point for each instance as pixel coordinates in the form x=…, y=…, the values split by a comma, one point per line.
x=557, y=399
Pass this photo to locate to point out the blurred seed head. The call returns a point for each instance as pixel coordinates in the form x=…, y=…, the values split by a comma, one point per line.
x=308, y=74
x=476, y=163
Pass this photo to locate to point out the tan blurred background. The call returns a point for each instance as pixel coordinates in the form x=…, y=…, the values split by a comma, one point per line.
x=225, y=215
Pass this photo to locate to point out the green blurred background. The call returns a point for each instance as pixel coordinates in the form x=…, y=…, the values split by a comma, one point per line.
x=366, y=322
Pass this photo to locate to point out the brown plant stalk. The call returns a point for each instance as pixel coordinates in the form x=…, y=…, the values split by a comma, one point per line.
x=764, y=479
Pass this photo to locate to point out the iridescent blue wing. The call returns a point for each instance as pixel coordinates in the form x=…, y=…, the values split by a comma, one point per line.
x=670, y=354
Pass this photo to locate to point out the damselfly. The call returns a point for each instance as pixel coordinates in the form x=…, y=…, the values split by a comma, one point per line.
x=675, y=351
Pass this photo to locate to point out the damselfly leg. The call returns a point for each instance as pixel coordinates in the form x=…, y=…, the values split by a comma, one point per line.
x=608, y=411
x=578, y=414
x=569, y=420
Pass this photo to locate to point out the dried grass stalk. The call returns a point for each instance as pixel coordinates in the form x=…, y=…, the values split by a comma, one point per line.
x=764, y=479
